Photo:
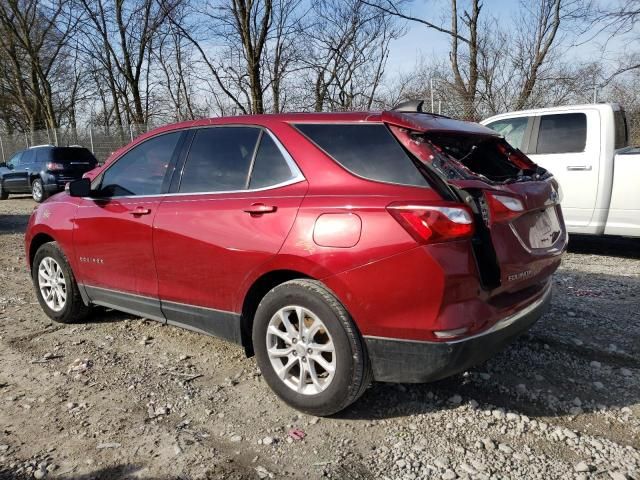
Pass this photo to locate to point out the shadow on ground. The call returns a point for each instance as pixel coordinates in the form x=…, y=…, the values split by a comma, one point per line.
x=13, y=223
x=604, y=245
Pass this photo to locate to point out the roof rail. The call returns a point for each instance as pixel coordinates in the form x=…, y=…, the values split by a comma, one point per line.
x=41, y=146
x=414, y=106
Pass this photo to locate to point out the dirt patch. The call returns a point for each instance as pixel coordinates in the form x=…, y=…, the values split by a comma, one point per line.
x=122, y=397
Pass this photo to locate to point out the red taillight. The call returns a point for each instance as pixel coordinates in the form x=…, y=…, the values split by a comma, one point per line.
x=503, y=208
x=434, y=223
x=55, y=166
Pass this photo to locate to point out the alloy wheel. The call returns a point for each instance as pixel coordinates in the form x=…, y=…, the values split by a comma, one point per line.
x=36, y=190
x=52, y=284
x=301, y=350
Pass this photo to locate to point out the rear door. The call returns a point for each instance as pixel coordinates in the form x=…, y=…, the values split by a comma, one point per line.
x=568, y=145
x=235, y=199
x=113, y=230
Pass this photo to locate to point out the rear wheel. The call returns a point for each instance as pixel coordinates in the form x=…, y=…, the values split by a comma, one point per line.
x=3, y=193
x=56, y=286
x=308, y=349
x=37, y=191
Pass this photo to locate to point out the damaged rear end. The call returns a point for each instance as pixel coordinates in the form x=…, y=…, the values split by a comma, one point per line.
x=519, y=231
x=517, y=237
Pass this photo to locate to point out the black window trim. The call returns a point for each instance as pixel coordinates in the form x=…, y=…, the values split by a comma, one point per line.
x=309, y=139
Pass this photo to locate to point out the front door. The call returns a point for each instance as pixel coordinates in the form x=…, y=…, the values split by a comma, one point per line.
x=113, y=229
x=236, y=199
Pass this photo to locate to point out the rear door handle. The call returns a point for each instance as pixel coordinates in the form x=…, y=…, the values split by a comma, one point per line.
x=578, y=167
x=260, y=209
x=140, y=211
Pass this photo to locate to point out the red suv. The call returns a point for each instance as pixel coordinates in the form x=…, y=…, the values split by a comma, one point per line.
x=399, y=246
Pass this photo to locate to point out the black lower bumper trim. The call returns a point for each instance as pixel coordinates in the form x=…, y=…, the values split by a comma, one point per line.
x=405, y=361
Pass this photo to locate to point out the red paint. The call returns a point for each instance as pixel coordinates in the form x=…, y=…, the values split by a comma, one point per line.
x=209, y=249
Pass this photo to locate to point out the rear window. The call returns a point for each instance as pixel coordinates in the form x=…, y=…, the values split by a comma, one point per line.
x=72, y=154
x=562, y=133
x=621, y=130
x=369, y=151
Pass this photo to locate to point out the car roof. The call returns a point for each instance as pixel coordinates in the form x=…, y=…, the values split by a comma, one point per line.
x=422, y=122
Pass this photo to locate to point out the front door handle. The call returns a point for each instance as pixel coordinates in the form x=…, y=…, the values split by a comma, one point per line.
x=578, y=167
x=260, y=209
x=136, y=212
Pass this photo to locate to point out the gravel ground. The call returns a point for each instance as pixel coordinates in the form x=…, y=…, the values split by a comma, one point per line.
x=121, y=397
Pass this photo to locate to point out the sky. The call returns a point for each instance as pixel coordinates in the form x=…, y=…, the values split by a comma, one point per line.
x=423, y=42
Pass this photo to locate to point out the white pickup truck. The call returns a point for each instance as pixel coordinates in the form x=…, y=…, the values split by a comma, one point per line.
x=586, y=149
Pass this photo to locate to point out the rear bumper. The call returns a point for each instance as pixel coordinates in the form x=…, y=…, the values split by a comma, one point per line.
x=407, y=361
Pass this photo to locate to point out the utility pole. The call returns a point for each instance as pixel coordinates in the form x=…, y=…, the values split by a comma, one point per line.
x=432, y=104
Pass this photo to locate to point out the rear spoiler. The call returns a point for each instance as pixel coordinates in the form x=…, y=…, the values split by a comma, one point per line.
x=427, y=122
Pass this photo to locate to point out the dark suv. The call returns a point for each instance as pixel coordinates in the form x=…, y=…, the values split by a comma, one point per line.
x=44, y=170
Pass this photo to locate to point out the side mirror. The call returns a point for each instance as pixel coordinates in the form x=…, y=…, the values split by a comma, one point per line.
x=3, y=164
x=80, y=188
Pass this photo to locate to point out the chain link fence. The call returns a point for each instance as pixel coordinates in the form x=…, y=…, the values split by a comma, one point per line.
x=103, y=141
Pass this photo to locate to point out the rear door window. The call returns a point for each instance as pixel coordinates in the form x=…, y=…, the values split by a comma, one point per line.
x=368, y=151
x=219, y=160
x=562, y=133
x=28, y=158
x=512, y=129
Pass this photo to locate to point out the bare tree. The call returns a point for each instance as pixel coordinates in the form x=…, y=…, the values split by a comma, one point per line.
x=348, y=50
x=121, y=37
x=33, y=40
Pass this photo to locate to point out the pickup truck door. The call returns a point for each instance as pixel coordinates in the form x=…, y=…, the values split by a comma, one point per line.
x=568, y=145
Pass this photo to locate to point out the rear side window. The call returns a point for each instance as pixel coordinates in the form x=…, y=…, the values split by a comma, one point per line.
x=512, y=129
x=219, y=159
x=562, y=133
x=28, y=157
x=269, y=167
x=369, y=151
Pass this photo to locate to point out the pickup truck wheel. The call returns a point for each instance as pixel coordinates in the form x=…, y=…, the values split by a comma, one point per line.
x=37, y=191
x=308, y=348
x=3, y=193
x=56, y=286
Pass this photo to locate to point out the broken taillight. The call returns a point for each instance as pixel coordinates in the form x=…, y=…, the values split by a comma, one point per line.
x=503, y=208
x=434, y=223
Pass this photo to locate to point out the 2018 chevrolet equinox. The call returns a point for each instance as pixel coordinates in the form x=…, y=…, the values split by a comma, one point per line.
x=339, y=248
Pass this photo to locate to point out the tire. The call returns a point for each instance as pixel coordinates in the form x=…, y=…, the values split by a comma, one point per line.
x=73, y=308
x=330, y=392
x=38, y=192
x=3, y=193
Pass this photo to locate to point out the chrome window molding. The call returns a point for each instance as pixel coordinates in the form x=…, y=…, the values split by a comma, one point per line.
x=296, y=173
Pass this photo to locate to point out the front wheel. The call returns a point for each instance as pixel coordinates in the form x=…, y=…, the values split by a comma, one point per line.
x=37, y=191
x=56, y=286
x=308, y=348
x=3, y=193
